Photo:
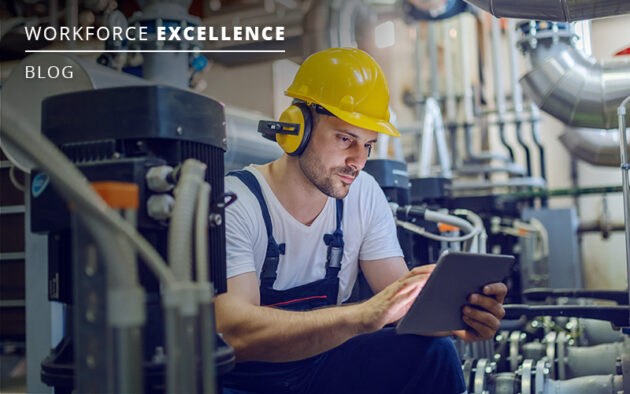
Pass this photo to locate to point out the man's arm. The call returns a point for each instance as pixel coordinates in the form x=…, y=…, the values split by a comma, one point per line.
x=483, y=323
x=274, y=335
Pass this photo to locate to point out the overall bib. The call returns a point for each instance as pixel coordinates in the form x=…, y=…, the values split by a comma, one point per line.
x=381, y=362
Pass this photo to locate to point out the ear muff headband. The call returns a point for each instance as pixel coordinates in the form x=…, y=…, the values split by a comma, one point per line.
x=299, y=114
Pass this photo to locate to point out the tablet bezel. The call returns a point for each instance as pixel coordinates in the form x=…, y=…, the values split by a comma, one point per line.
x=456, y=276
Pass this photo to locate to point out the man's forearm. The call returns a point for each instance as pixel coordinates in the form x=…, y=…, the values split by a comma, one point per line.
x=274, y=335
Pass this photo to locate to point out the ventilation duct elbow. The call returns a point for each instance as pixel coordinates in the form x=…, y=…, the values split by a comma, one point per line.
x=597, y=147
x=578, y=90
x=553, y=10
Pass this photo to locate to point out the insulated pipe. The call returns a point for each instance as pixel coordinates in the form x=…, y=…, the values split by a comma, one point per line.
x=596, y=384
x=576, y=89
x=553, y=10
x=595, y=146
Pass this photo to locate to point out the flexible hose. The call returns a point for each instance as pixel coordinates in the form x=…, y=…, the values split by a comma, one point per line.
x=180, y=231
x=201, y=232
x=460, y=223
x=75, y=188
x=421, y=231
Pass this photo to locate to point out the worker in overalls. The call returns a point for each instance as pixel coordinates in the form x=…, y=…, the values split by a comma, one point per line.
x=296, y=236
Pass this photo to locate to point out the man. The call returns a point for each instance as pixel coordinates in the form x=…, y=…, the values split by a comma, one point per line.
x=301, y=227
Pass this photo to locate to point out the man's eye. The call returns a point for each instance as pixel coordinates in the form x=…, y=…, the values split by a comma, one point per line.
x=345, y=140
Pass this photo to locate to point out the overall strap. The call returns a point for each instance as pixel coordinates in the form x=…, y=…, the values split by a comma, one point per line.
x=272, y=257
x=334, y=242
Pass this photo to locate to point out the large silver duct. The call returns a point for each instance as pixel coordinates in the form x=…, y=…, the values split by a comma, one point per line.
x=595, y=146
x=245, y=145
x=578, y=90
x=553, y=10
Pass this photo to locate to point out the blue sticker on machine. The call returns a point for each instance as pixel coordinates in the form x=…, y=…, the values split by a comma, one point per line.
x=39, y=184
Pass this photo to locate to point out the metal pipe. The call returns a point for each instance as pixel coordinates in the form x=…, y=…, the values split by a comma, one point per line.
x=574, y=88
x=517, y=94
x=208, y=339
x=484, y=185
x=535, y=129
x=418, y=74
x=206, y=308
x=621, y=111
x=497, y=78
x=469, y=117
x=595, y=146
x=451, y=109
x=599, y=227
x=499, y=97
x=553, y=10
x=433, y=60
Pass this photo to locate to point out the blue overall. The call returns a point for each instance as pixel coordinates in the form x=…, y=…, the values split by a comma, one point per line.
x=380, y=362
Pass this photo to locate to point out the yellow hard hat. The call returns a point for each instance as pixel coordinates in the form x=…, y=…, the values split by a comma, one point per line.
x=350, y=84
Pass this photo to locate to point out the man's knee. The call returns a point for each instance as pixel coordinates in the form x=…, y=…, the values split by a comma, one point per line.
x=438, y=346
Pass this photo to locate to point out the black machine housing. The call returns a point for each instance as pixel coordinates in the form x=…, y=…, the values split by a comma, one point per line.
x=118, y=134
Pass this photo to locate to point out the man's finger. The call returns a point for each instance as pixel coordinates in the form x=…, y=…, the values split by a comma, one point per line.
x=482, y=331
x=425, y=269
x=497, y=290
x=482, y=317
x=489, y=304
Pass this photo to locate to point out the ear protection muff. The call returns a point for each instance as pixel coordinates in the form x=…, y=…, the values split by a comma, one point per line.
x=293, y=130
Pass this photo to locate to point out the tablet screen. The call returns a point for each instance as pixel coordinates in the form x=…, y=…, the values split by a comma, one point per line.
x=456, y=276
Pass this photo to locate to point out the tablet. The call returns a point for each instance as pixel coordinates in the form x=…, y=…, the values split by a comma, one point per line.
x=456, y=276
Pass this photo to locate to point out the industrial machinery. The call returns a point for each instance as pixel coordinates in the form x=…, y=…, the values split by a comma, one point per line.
x=132, y=178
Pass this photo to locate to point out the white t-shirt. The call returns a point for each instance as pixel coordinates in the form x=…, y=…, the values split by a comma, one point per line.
x=369, y=233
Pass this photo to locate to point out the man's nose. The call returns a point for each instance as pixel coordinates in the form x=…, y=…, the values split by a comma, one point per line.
x=357, y=157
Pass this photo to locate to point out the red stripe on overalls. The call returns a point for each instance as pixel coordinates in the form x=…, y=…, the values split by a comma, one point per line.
x=298, y=300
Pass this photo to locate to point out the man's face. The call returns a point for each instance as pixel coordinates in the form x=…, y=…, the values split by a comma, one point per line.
x=335, y=154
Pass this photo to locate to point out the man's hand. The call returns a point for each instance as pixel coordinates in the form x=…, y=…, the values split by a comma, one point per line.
x=484, y=322
x=393, y=302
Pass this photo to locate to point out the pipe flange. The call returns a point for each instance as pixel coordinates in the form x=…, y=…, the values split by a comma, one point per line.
x=561, y=351
x=527, y=370
x=533, y=33
x=515, y=357
x=482, y=370
x=467, y=369
x=550, y=340
x=542, y=373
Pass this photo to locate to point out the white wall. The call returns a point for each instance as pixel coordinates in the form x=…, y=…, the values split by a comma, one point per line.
x=604, y=260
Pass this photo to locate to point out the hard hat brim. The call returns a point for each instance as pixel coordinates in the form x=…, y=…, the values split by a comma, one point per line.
x=354, y=118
